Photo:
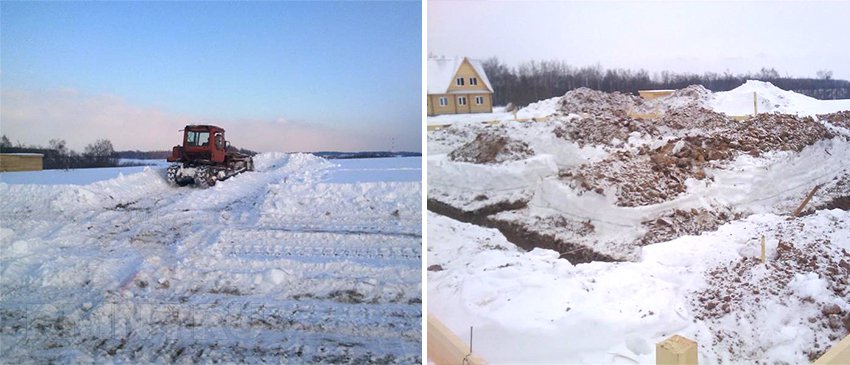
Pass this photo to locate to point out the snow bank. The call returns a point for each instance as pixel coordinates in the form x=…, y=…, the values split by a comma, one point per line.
x=771, y=99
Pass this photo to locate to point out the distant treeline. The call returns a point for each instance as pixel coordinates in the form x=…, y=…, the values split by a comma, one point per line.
x=58, y=156
x=371, y=154
x=537, y=80
x=101, y=154
x=161, y=155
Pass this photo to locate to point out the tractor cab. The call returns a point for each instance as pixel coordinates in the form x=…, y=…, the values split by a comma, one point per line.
x=201, y=143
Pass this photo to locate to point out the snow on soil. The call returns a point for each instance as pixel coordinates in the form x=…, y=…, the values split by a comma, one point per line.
x=302, y=260
x=659, y=221
x=532, y=307
x=633, y=182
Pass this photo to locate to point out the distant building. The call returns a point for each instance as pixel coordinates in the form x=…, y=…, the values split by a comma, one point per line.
x=21, y=162
x=458, y=86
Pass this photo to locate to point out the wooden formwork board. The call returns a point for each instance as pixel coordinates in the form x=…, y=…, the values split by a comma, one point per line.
x=654, y=94
x=838, y=354
x=444, y=348
x=436, y=127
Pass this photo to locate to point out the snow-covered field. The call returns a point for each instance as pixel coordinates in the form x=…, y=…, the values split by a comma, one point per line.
x=303, y=260
x=659, y=220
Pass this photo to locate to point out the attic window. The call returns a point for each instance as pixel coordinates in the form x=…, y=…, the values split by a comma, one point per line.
x=473, y=81
x=459, y=81
x=444, y=101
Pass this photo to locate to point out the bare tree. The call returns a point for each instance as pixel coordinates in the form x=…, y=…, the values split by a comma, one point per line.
x=825, y=75
x=100, y=153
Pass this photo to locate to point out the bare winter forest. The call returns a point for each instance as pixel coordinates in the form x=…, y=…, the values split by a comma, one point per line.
x=537, y=80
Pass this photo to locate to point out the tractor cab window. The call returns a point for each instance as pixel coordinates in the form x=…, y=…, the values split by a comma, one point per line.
x=197, y=138
x=219, y=141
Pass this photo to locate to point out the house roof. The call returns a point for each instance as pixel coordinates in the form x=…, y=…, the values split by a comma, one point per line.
x=442, y=70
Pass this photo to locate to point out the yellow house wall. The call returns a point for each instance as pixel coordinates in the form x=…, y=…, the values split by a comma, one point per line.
x=20, y=163
x=436, y=109
x=487, y=107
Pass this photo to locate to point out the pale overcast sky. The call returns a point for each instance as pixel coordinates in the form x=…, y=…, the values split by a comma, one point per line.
x=796, y=38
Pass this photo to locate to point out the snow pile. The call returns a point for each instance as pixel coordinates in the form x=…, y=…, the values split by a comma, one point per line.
x=523, y=305
x=693, y=95
x=268, y=265
x=542, y=108
x=771, y=99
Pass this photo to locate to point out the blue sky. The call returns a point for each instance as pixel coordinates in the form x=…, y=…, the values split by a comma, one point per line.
x=314, y=75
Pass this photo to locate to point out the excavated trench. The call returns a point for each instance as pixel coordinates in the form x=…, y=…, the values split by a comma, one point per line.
x=518, y=234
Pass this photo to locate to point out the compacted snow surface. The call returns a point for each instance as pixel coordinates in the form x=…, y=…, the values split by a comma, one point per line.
x=302, y=260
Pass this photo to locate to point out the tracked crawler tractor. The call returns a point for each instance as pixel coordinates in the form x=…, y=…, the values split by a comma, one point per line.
x=204, y=159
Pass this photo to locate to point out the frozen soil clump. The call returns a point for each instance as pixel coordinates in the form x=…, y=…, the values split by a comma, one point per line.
x=491, y=148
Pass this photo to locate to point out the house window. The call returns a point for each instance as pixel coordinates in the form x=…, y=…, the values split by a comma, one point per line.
x=461, y=100
x=473, y=81
x=479, y=100
x=459, y=81
x=444, y=101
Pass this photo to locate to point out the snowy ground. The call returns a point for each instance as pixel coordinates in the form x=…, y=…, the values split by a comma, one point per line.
x=303, y=260
x=532, y=307
x=682, y=198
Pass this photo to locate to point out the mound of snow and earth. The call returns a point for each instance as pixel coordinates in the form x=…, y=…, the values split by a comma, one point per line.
x=596, y=185
x=301, y=260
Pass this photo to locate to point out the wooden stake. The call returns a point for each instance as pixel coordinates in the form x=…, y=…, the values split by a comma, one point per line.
x=755, y=104
x=806, y=201
x=762, y=249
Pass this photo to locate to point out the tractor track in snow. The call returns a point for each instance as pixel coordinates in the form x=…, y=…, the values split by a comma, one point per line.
x=157, y=273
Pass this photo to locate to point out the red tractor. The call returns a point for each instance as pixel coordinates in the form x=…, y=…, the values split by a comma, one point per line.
x=204, y=159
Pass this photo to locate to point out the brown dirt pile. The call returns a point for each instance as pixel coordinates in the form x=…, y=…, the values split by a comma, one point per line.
x=598, y=103
x=655, y=176
x=684, y=222
x=693, y=117
x=776, y=132
x=741, y=289
x=602, y=130
x=636, y=182
x=491, y=148
x=841, y=119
